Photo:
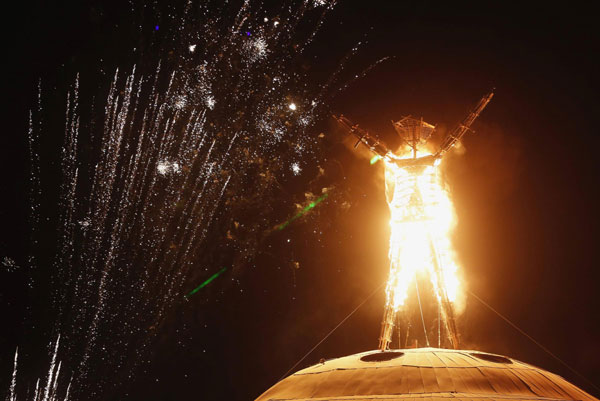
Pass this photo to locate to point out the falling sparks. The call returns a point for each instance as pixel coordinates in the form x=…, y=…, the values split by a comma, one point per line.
x=12, y=396
x=50, y=391
x=178, y=146
x=85, y=223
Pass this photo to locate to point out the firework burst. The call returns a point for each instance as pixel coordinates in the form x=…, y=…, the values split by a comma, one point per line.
x=198, y=135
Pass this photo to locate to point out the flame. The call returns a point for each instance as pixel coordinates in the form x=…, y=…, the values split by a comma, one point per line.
x=422, y=217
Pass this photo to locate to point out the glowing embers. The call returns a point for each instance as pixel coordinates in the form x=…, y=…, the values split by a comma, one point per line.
x=421, y=219
x=381, y=356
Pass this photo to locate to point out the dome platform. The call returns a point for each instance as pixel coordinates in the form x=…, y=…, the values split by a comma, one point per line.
x=425, y=374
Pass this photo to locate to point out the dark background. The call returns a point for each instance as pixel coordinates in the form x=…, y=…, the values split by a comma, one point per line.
x=525, y=190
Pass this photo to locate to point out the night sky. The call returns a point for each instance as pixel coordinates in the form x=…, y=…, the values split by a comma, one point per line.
x=525, y=189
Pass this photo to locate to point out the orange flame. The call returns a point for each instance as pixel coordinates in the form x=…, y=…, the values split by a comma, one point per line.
x=422, y=217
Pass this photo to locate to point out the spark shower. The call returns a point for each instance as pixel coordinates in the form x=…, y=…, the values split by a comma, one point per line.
x=158, y=159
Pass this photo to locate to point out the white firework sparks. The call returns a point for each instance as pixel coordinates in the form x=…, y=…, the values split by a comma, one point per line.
x=165, y=167
x=162, y=168
x=304, y=121
x=10, y=264
x=256, y=49
x=296, y=169
x=180, y=102
x=210, y=102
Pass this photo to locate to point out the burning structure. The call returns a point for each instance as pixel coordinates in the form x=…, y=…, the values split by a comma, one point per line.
x=421, y=217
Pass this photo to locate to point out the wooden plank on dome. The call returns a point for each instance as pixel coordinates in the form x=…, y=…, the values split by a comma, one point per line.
x=397, y=381
x=457, y=378
x=465, y=359
x=415, y=381
x=444, y=379
x=334, y=384
x=522, y=387
x=316, y=384
x=287, y=388
x=410, y=359
x=458, y=362
x=573, y=391
x=354, y=379
x=475, y=381
x=383, y=381
x=535, y=384
x=363, y=382
x=468, y=383
x=429, y=380
x=434, y=360
x=561, y=390
x=473, y=360
x=422, y=359
x=446, y=358
x=499, y=380
x=403, y=383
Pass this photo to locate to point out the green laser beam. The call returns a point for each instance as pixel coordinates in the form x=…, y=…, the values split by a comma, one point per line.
x=204, y=284
x=375, y=159
x=303, y=211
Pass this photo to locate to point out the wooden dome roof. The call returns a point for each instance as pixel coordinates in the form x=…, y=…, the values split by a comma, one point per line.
x=426, y=374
